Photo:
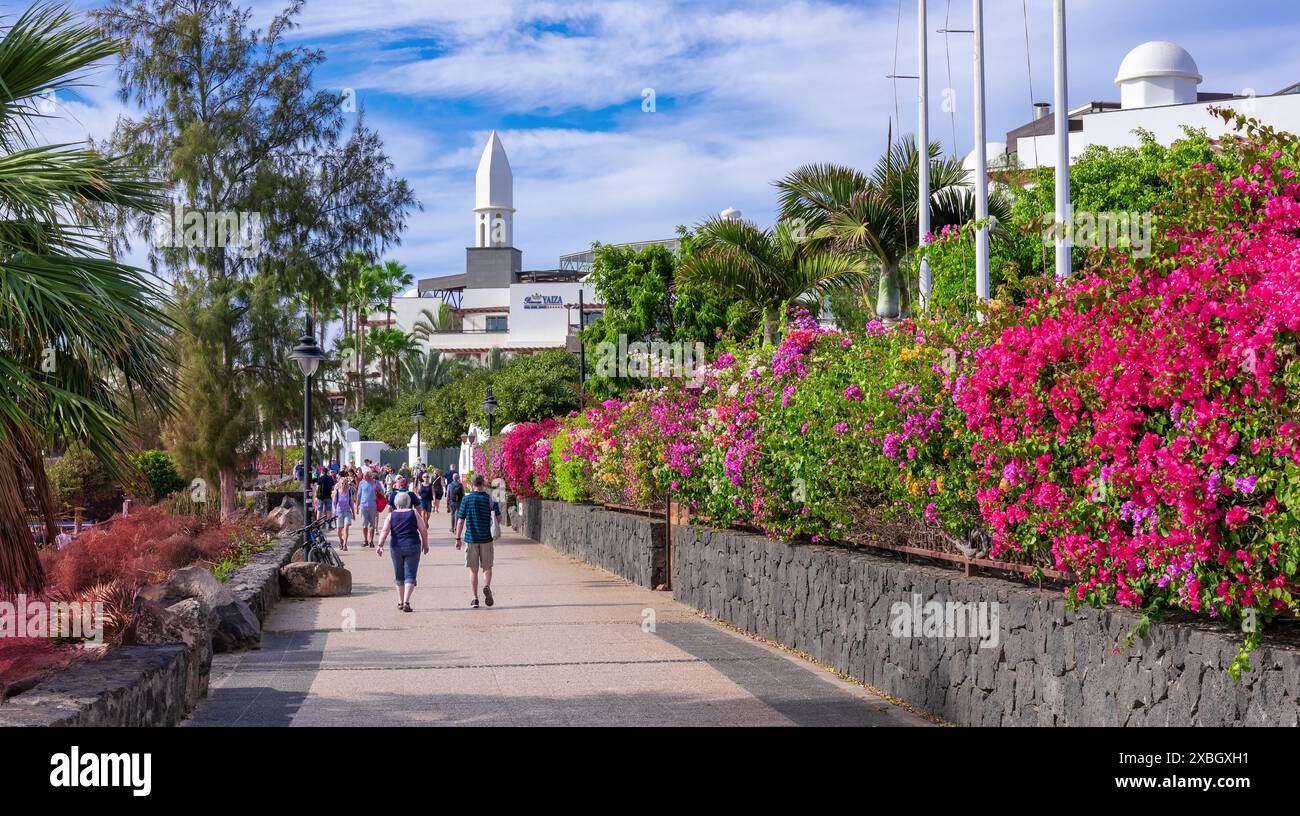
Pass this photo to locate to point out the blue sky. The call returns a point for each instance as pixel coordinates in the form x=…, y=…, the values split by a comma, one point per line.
x=744, y=93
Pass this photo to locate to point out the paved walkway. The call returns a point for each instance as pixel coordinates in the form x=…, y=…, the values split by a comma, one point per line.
x=566, y=644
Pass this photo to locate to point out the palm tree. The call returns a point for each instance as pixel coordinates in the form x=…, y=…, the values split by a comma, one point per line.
x=364, y=293
x=392, y=344
x=427, y=325
x=425, y=371
x=768, y=269
x=874, y=217
x=83, y=340
x=390, y=278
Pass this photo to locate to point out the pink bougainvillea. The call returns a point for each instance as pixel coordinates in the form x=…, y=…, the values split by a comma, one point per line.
x=1137, y=422
x=1134, y=429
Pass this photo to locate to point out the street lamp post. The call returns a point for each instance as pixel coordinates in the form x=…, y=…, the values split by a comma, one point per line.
x=489, y=408
x=417, y=415
x=308, y=355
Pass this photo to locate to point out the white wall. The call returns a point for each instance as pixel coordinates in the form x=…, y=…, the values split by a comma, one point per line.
x=1115, y=128
x=535, y=316
x=538, y=315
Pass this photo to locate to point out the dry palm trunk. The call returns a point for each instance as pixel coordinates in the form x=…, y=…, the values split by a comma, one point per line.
x=21, y=468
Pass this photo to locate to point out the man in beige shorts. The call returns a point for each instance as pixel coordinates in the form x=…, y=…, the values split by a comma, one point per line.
x=475, y=527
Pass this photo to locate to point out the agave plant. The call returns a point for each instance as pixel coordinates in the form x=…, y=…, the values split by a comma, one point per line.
x=118, y=610
x=83, y=339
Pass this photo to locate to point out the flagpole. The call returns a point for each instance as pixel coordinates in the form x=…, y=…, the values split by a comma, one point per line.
x=981, y=163
x=1064, y=215
x=923, y=154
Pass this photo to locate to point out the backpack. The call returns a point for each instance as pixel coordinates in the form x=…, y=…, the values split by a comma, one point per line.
x=456, y=492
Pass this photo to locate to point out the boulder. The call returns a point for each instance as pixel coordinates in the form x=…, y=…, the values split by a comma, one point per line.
x=304, y=579
x=236, y=625
x=287, y=516
x=190, y=622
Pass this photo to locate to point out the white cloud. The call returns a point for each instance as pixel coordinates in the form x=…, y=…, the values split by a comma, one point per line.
x=746, y=92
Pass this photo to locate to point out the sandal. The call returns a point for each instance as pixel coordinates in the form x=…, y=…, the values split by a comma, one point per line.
x=407, y=608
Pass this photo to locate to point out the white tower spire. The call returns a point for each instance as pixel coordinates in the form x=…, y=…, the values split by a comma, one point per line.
x=494, y=197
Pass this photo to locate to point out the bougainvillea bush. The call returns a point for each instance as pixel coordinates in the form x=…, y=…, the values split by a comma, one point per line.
x=1134, y=429
x=1140, y=423
x=515, y=459
x=801, y=439
x=622, y=451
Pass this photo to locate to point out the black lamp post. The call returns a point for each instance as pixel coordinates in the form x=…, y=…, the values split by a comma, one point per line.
x=417, y=415
x=308, y=355
x=489, y=408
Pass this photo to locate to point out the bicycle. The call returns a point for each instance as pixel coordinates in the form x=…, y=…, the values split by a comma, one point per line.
x=317, y=548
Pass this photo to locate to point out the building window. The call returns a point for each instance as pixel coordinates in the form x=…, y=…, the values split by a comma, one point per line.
x=590, y=317
x=496, y=323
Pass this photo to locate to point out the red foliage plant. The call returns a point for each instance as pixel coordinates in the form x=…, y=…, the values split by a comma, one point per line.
x=139, y=549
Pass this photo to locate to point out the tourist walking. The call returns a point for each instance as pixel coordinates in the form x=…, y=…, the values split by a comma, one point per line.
x=324, y=492
x=439, y=488
x=399, y=487
x=410, y=541
x=425, y=491
x=344, y=502
x=368, y=507
x=455, y=493
x=475, y=514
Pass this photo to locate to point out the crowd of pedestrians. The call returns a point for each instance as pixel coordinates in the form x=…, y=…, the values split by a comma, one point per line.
x=361, y=493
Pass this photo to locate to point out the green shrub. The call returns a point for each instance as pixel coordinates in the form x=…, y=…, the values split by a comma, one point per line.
x=159, y=472
x=79, y=479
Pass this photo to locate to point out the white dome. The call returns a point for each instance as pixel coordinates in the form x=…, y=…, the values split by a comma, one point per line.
x=1157, y=58
x=995, y=153
x=730, y=214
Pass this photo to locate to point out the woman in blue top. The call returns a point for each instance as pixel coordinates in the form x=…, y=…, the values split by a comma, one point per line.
x=425, y=492
x=410, y=540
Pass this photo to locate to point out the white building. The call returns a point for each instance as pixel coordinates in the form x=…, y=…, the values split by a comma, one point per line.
x=499, y=304
x=1158, y=87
